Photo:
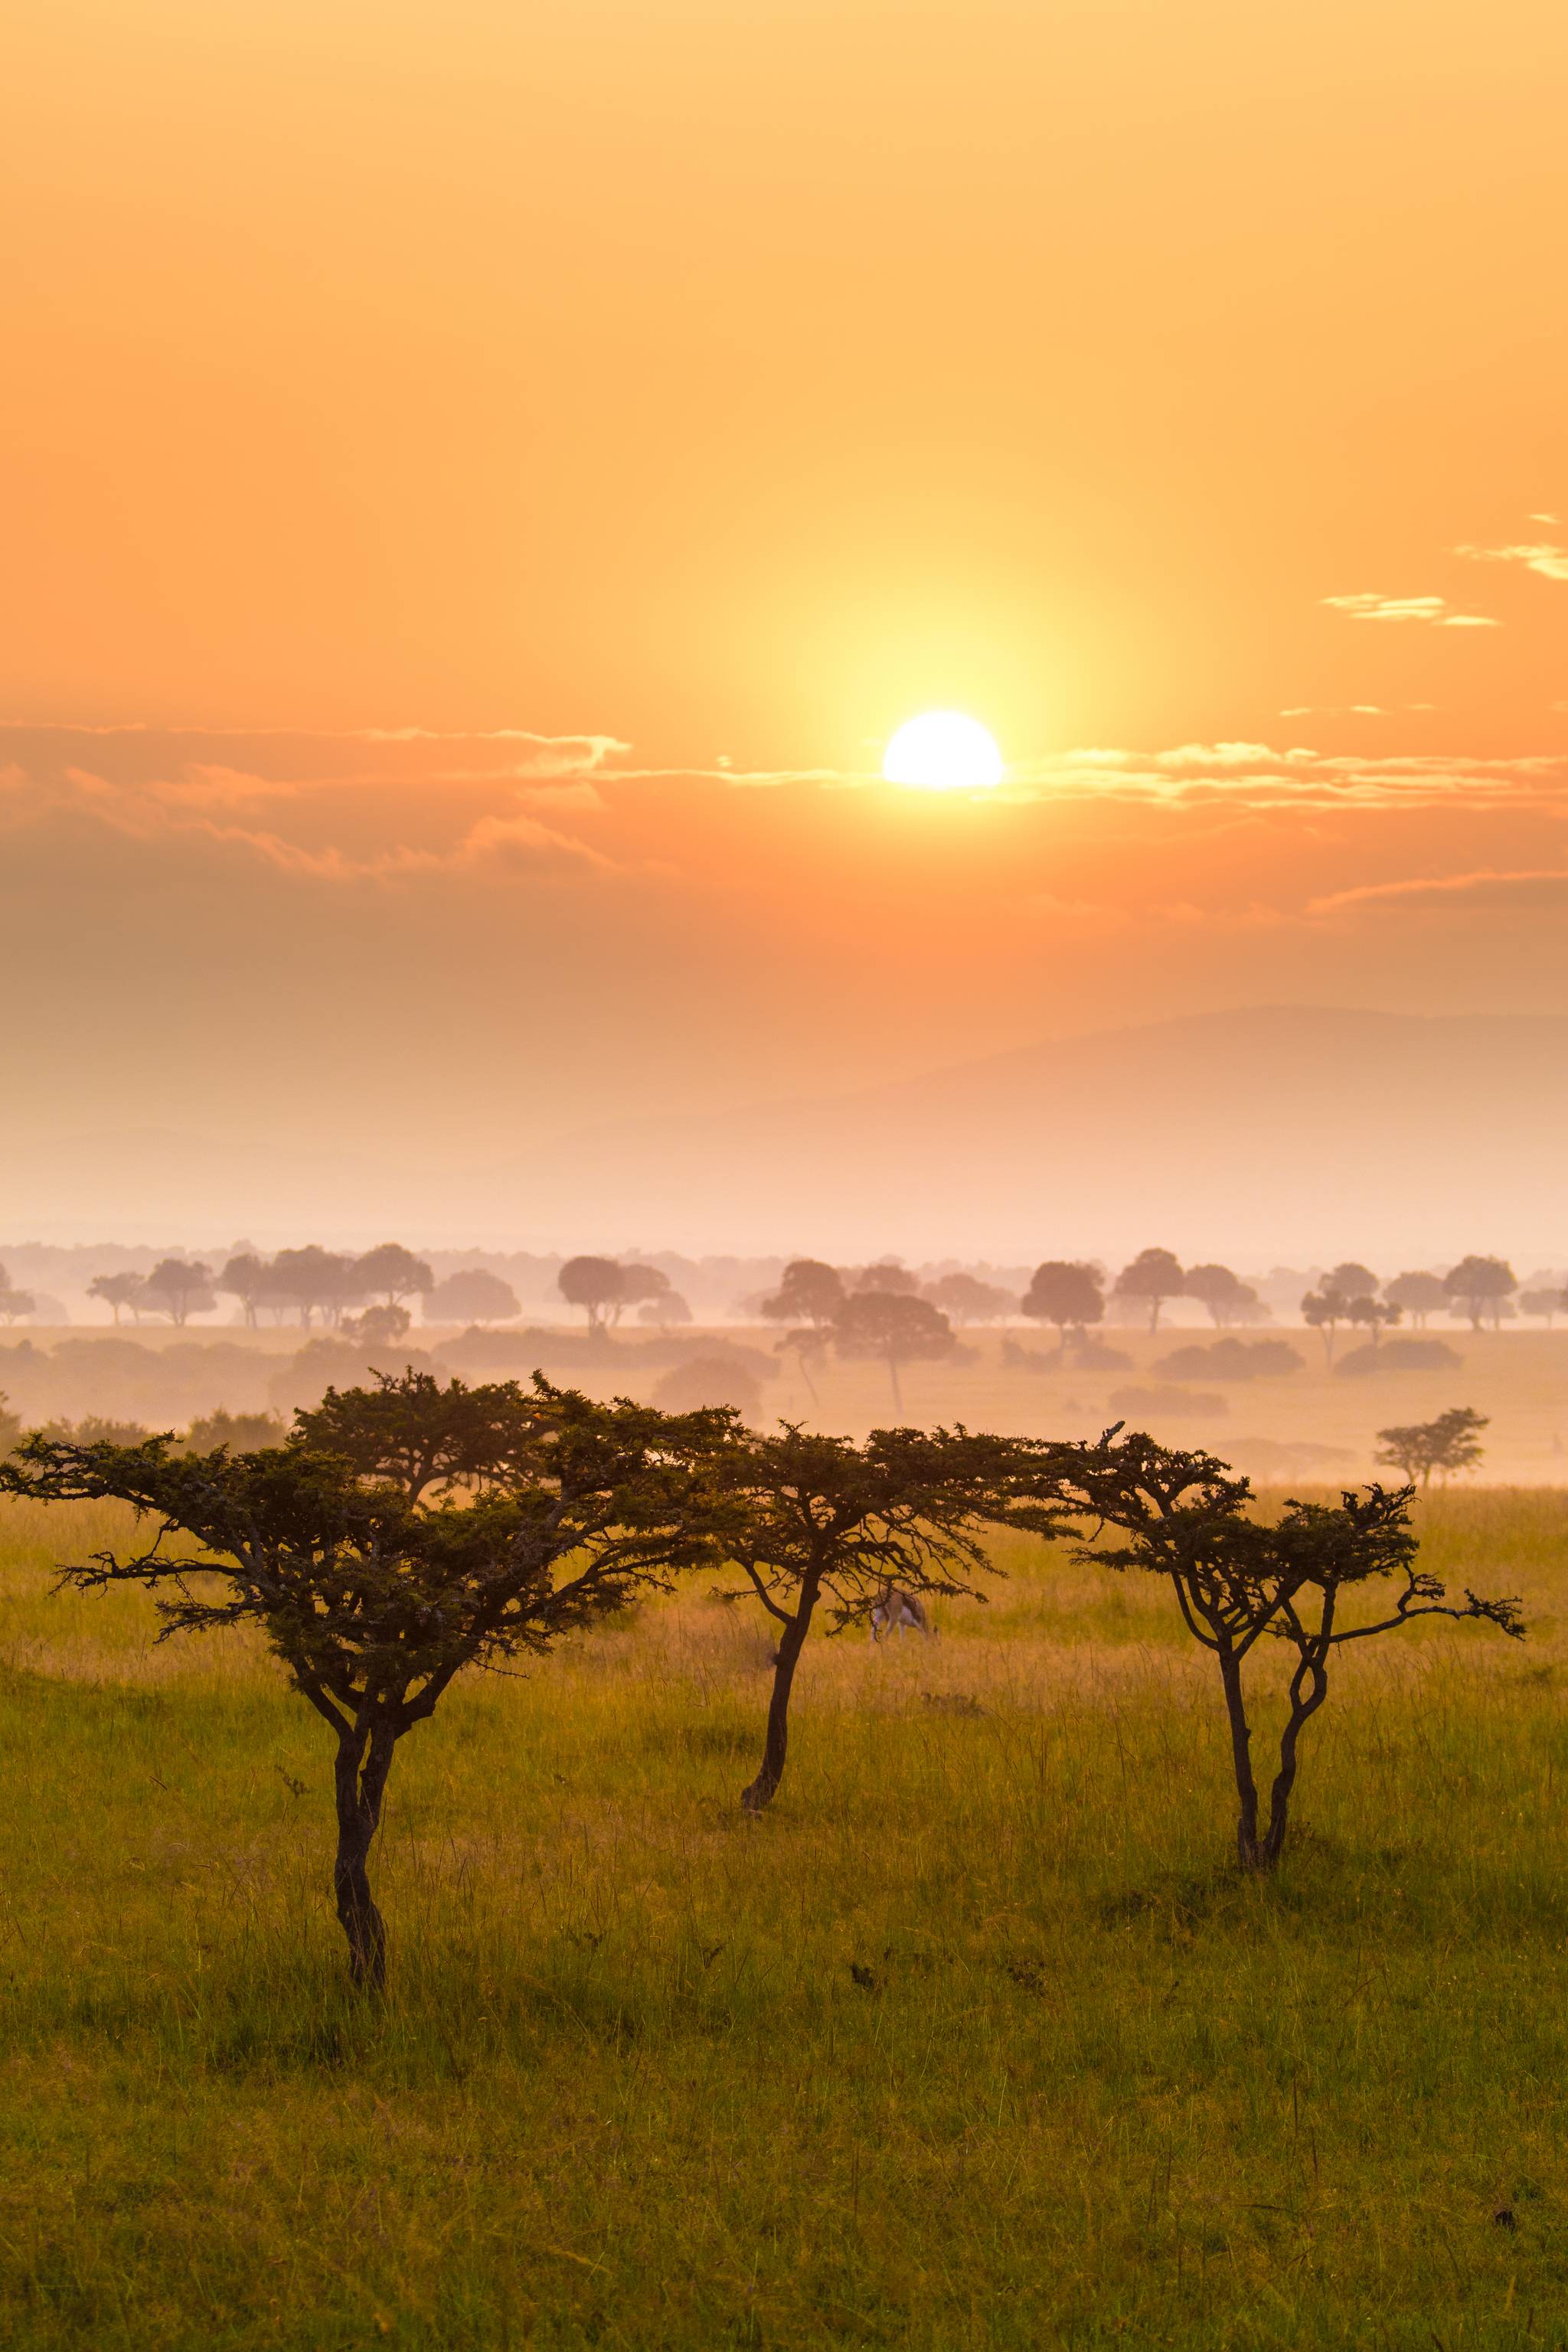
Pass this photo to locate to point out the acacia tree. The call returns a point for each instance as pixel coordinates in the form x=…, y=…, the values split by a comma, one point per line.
x=894, y=1325
x=1154, y=1277
x=374, y=1588
x=595, y=1283
x=117, y=1291
x=1477, y=1286
x=179, y=1290
x=1186, y=1517
x=820, y=1520
x=247, y=1278
x=809, y=1292
x=1416, y=1294
x=473, y=1294
x=1452, y=1442
x=1230, y=1300
x=392, y=1272
x=964, y=1298
x=1069, y=1294
x=1373, y=1315
x=1324, y=1310
x=315, y=1280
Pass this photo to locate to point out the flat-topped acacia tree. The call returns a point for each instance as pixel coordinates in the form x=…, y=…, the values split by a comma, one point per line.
x=1237, y=1579
x=377, y=1579
x=819, y=1520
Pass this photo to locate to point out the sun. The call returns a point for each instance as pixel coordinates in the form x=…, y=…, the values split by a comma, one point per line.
x=943, y=751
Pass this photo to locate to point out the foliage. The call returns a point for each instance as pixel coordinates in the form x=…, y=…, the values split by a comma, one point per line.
x=711, y=1377
x=1154, y=1277
x=1418, y=1294
x=1324, y=1310
x=964, y=1298
x=472, y=1296
x=668, y=1308
x=1478, y=1286
x=895, y=1326
x=1186, y=1517
x=240, y=1433
x=1230, y=1300
x=810, y=1292
x=179, y=1290
x=377, y=1326
x=14, y=1303
x=595, y=1283
x=392, y=1272
x=374, y=1595
x=1451, y=1443
x=116, y=1290
x=1069, y=1294
x=1231, y=1360
x=1399, y=1355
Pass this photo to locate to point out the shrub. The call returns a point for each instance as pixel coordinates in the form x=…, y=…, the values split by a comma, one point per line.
x=1231, y=1360
x=1399, y=1355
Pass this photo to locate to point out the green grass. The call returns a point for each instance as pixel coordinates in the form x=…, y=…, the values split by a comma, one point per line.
x=626, y=2088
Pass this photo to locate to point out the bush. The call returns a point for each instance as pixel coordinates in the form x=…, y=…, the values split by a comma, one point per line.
x=1166, y=1403
x=1399, y=1355
x=1231, y=1359
x=715, y=1378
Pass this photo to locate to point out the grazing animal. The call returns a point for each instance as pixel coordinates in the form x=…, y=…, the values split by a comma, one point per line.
x=895, y=1608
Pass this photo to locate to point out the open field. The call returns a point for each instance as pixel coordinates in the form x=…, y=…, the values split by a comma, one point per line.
x=1519, y=1377
x=975, y=2040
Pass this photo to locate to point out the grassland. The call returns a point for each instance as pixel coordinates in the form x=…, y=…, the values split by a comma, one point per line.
x=975, y=2040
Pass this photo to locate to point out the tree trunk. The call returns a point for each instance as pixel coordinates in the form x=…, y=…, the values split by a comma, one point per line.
x=1309, y=1689
x=363, y=1765
x=761, y=1790
x=1247, y=1846
x=897, y=1393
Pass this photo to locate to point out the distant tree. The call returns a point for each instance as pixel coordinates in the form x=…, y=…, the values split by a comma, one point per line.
x=1417, y=1296
x=1187, y=1518
x=597, y=1285
x=1324, y=1310
x=249, y=1279
x=1068, y=1294
x=392, y=1273
x=179, y=1290
x=1351, y=1280
x=1373, y=1315
x=1230, y=1300
x=1154, y=1277
x=375, y=1602
x=240, y=1433
x=117, y=1291
x=808, y=1346
x=1450, y=1444
x=315, y=1280
x=378, y=1327
x=964, y=1298
x=667, y=1309
x=1477, y=1284
x=819, y=1520
x=473, y=1296
x=886, y=1275
x=718, y=1378
x=10, y=1428
x=14, y=1303
x=1545, y=1304
x=895, y=1326
x=810, y=1292
x=95, y=1429
x=638, y=1284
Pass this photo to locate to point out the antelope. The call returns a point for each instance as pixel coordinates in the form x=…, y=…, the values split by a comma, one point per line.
x=894, y=1608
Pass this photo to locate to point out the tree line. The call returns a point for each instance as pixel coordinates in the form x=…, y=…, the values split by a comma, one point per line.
x=315, y=1284
x=409, y=1532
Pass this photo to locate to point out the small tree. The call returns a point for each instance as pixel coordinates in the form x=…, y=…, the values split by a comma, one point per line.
x=1154, y=1277
x=1069, y=1294
x=638, y=1284
x=374, y=1600
x=668, y=1308
x=810, y=1292
x=14, y=1303
x=1230, y=1300
x=117, y=1291
x=10, y=1428
x=964, y=1298
x=247, y=1278
x=473, y=1296
x=1186, y=1517
x=1450, y=1444
x=894, y=1325
x=1373, y=1315
x=179, y=1290
x=819, y=1520
x=377, y=1326
x=241, y=1432
x=1478, y=1286
x=1352, y=1280
x=392, y=1272
x=595, y=1283
x=1545, y=1304
x=1416, y=1294
x=1324, y=1310
x=315, y=1280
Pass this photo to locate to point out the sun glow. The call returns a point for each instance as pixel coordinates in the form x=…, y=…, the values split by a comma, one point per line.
x=943, y=751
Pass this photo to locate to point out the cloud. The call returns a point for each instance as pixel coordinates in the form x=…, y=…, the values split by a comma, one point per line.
x=1545, y=886
x=1432, y=610
x=1541, y=556
x=1261, y=777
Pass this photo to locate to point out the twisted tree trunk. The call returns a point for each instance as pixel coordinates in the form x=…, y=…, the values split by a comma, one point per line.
x=363, y=1761
x=1249, y=1852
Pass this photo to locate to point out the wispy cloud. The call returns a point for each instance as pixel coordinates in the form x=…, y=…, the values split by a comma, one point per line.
x=1435, y=611
x=1542, y=556
x=1538, y=887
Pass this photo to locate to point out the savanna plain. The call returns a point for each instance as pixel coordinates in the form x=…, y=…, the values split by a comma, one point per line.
x=976, y=2039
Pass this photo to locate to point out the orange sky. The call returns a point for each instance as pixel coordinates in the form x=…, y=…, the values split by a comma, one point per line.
x=638, y=403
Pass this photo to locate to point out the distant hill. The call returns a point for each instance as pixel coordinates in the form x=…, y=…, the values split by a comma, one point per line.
x=1256, y=1134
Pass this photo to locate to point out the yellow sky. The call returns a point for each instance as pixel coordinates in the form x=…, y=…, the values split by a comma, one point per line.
x=711, y=386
